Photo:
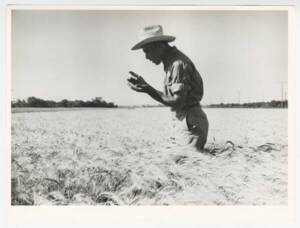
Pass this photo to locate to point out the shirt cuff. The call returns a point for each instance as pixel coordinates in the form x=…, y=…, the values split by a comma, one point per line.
x=178, y=87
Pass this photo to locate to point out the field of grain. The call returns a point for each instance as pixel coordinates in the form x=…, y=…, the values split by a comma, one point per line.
x=130, y=157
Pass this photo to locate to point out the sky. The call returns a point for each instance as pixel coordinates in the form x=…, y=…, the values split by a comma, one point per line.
x=58, y=54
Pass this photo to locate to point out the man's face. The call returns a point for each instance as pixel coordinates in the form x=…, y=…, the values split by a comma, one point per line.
x=153, y=52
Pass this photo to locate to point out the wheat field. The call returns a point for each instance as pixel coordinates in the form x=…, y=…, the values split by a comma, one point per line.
x=129, y=157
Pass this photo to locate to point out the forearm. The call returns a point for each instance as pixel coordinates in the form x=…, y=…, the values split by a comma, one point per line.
x=162, y=98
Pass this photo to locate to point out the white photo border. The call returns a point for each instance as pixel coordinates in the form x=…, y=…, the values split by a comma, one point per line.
x=159, y=214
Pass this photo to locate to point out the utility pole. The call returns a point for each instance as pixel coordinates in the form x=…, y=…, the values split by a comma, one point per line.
x=282, y=93
x=285, y=97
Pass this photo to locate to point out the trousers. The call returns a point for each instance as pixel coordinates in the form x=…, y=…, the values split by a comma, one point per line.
x=195, y=129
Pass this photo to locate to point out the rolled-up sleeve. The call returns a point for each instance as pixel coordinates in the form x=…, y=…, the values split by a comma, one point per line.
x=180, y=79
x=177, y=87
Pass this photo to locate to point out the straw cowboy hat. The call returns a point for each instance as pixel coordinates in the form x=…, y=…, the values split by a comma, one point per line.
x=151, y=34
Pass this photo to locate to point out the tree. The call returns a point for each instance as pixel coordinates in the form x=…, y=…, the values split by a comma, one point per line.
x=37, y=102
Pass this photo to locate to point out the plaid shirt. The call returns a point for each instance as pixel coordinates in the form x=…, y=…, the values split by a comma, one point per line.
x=183, y=79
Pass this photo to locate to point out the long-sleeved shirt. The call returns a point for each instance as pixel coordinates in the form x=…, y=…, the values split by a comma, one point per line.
x=183, y=79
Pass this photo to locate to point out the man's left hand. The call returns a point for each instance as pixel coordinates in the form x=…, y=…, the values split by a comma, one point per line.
x=137, y=83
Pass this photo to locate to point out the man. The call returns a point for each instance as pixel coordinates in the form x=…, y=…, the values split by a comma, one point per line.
x=183, y=84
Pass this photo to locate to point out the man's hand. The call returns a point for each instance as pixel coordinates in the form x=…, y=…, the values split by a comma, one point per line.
x=137, y=83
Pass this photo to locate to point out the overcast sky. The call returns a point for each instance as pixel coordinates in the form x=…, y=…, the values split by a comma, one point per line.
x=86, y=54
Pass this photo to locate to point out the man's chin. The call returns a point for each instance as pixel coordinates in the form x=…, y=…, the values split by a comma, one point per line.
x=156, y=62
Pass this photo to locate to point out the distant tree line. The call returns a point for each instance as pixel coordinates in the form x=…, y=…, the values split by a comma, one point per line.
x=153, y=106
x=271, y=104
x=40, y=103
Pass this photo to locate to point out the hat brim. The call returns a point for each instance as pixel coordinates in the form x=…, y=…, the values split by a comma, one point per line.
x=151, y=40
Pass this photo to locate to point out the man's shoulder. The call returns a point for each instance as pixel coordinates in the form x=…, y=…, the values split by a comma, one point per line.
x=180, y=58
x=182, y=62
x=177, y=59
x=178, y=63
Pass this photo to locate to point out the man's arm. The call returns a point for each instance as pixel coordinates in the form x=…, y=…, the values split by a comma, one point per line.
x=138, y=84
x=159, y=96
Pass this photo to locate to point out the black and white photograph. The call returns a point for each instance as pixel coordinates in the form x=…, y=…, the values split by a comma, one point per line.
x=169, y=107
